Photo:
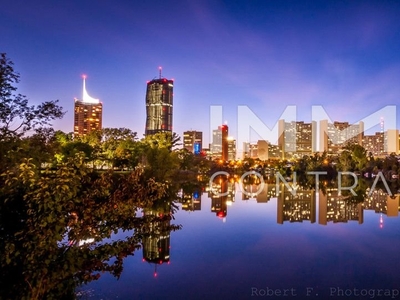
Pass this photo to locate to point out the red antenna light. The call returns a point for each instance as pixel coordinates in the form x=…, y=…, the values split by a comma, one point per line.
x=84, y=76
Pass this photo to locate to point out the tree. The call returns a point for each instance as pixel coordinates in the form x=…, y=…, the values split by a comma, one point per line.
x=359, y=155
x=117, y=145
x=161, y=164
x=72, y=148
x=41, y=146
x=187, y=160
x=346, y=162
x=44, y=214
x=162, y=140
x=17, y=117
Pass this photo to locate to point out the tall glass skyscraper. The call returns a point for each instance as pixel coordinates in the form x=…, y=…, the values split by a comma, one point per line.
x=159, y=102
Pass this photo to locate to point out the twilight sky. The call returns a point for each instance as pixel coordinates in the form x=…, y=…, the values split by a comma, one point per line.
x=267, y=55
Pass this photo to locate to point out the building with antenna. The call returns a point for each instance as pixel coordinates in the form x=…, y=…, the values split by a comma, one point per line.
x=159, y=101
x=88, y=113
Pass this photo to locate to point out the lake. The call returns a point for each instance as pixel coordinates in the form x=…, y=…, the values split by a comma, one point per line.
x=245, y=246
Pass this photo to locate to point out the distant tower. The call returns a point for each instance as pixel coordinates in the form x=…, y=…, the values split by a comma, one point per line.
x=88, y=113
x=219, y=146
x=159, y=100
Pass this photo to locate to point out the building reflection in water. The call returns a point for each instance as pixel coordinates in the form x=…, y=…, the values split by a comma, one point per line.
x=156, y=241
x=222, y=195
x=263, y=196
x=303, y=206
x=191, y=201
x=296, y=208
x=382, y=203
x=332, y=207
x=338, y=209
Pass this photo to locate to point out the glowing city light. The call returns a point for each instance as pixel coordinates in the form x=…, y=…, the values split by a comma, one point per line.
x=85, y=97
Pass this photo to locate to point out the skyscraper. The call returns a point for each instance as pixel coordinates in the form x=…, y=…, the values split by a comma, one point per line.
x=159, y=96
x=88, y=113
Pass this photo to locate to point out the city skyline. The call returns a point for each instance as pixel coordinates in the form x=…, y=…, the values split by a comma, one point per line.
x=265, y=55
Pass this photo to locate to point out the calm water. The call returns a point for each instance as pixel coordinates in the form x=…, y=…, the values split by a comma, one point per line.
x=273, y=248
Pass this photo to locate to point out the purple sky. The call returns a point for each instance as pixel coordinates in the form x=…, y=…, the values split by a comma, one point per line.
x=343, y=55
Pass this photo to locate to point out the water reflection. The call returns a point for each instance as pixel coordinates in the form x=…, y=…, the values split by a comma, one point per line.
x=90, y=248
x=338, y=209
x=254, y=248
x=328, y=203
x=156, y=241
x=191, y=201
x=222, y=195
x=296, y=208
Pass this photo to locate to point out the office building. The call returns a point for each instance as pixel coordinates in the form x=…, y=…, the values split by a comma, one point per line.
x=193, y=141
x=296, y=139
x=88, y=113
x=263, y=149
x=375, y=144
x=382, y=143
x=159, y=101
x=231, y=148
x=249, y=150
x=333, y=137
x=219, y=146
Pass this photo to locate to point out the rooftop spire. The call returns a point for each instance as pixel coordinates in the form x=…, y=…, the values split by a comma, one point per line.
x=85, y=97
